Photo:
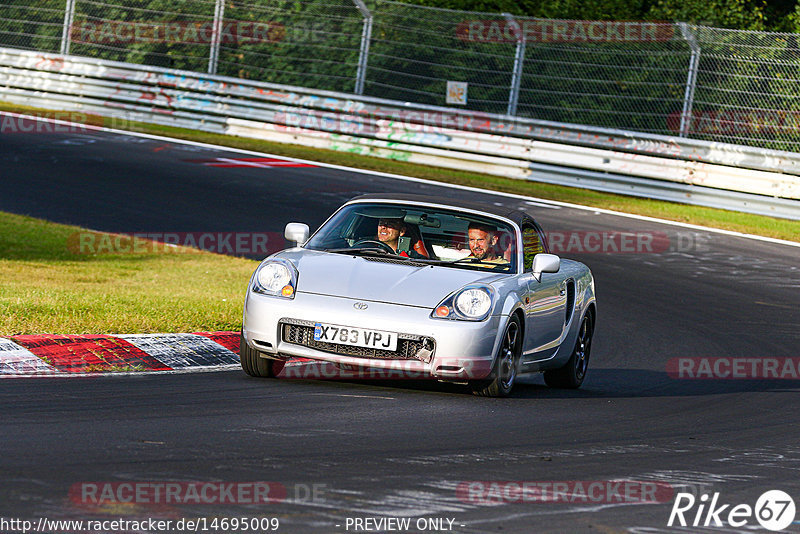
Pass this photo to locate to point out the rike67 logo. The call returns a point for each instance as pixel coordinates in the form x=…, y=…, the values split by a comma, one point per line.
x=774, y=510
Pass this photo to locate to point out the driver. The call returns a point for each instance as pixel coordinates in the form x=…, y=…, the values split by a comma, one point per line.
x=483, y=242
x=390, y=231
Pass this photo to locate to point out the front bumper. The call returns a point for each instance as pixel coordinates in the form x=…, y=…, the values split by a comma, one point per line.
x=464, y=350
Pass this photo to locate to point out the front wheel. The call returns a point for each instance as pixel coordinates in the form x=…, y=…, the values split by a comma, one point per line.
x=254, y=365
x=571, y=376
x=505, y=366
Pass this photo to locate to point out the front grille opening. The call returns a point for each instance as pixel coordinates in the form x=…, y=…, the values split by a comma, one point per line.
x=407, y=349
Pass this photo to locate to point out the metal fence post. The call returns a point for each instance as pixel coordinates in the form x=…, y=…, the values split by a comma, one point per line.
x=691, y=79
x=213, y=56
x=519, y=59
x=69, y=14
x=363, y=54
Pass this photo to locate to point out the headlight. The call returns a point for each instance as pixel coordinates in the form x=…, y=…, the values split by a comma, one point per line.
x=276, y=277
x=472, y=303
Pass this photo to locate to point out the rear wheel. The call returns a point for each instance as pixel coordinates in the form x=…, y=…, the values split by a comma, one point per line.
x=505, y=366
x=571, y=376
x=254, y=365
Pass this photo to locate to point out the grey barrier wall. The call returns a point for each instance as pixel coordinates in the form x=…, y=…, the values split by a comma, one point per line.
x=671, y=168
x=669, y=79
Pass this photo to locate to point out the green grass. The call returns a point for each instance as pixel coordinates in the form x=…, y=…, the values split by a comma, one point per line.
x=715, y=218
x=47, y=286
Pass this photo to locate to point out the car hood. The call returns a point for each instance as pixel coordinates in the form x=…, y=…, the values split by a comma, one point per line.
x=361, y=278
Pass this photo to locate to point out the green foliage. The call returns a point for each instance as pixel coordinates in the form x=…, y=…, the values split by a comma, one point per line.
x=311, y=44
x=769, y=15
x=778, y=15
x=556, y=9
x=108, y=31
x=793, y=20
x=582, y=10
x=738, y=14
x=36, y=25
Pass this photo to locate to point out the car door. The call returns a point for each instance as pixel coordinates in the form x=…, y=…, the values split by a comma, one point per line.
x=545, y=301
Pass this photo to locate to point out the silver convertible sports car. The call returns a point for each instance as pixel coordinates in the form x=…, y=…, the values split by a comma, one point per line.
x=432, y=287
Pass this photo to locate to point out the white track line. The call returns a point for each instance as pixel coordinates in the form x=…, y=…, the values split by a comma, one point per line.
x=418, y=180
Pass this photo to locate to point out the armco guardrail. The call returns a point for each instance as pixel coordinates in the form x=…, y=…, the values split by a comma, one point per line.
x=745, y=178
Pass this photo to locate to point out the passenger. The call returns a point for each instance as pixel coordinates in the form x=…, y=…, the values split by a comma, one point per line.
x=483, y=242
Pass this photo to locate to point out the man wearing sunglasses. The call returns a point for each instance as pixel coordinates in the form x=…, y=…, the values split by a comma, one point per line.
x=390, y=231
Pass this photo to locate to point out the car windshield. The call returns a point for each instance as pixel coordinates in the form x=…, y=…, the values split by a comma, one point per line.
x=419, y=234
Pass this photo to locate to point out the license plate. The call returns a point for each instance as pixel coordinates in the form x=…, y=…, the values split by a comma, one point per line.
x=357, y=337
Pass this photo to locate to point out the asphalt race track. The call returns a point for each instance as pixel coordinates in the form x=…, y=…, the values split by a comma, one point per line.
x=406, y=449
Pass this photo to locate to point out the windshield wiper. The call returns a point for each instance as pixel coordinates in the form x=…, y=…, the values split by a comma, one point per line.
x=376, y=251
x=357, y=250
x=462, y=262
x=483, y=264
x=472, y=260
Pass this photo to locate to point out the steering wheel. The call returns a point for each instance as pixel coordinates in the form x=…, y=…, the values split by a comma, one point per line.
x=377, y=244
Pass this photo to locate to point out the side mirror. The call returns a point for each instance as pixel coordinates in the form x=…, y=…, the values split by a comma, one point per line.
x=297, y=232
x=545, y=263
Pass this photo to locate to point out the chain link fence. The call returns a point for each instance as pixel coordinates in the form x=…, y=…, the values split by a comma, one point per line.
x=664, y=78
x=748, y=88
x=37, y=25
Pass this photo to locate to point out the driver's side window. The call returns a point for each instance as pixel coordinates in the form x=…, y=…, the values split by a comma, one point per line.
x=531, y=245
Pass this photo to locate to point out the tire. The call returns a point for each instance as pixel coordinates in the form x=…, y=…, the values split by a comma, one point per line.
x=254, y=365
x=572, y=375
x=506, y=364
